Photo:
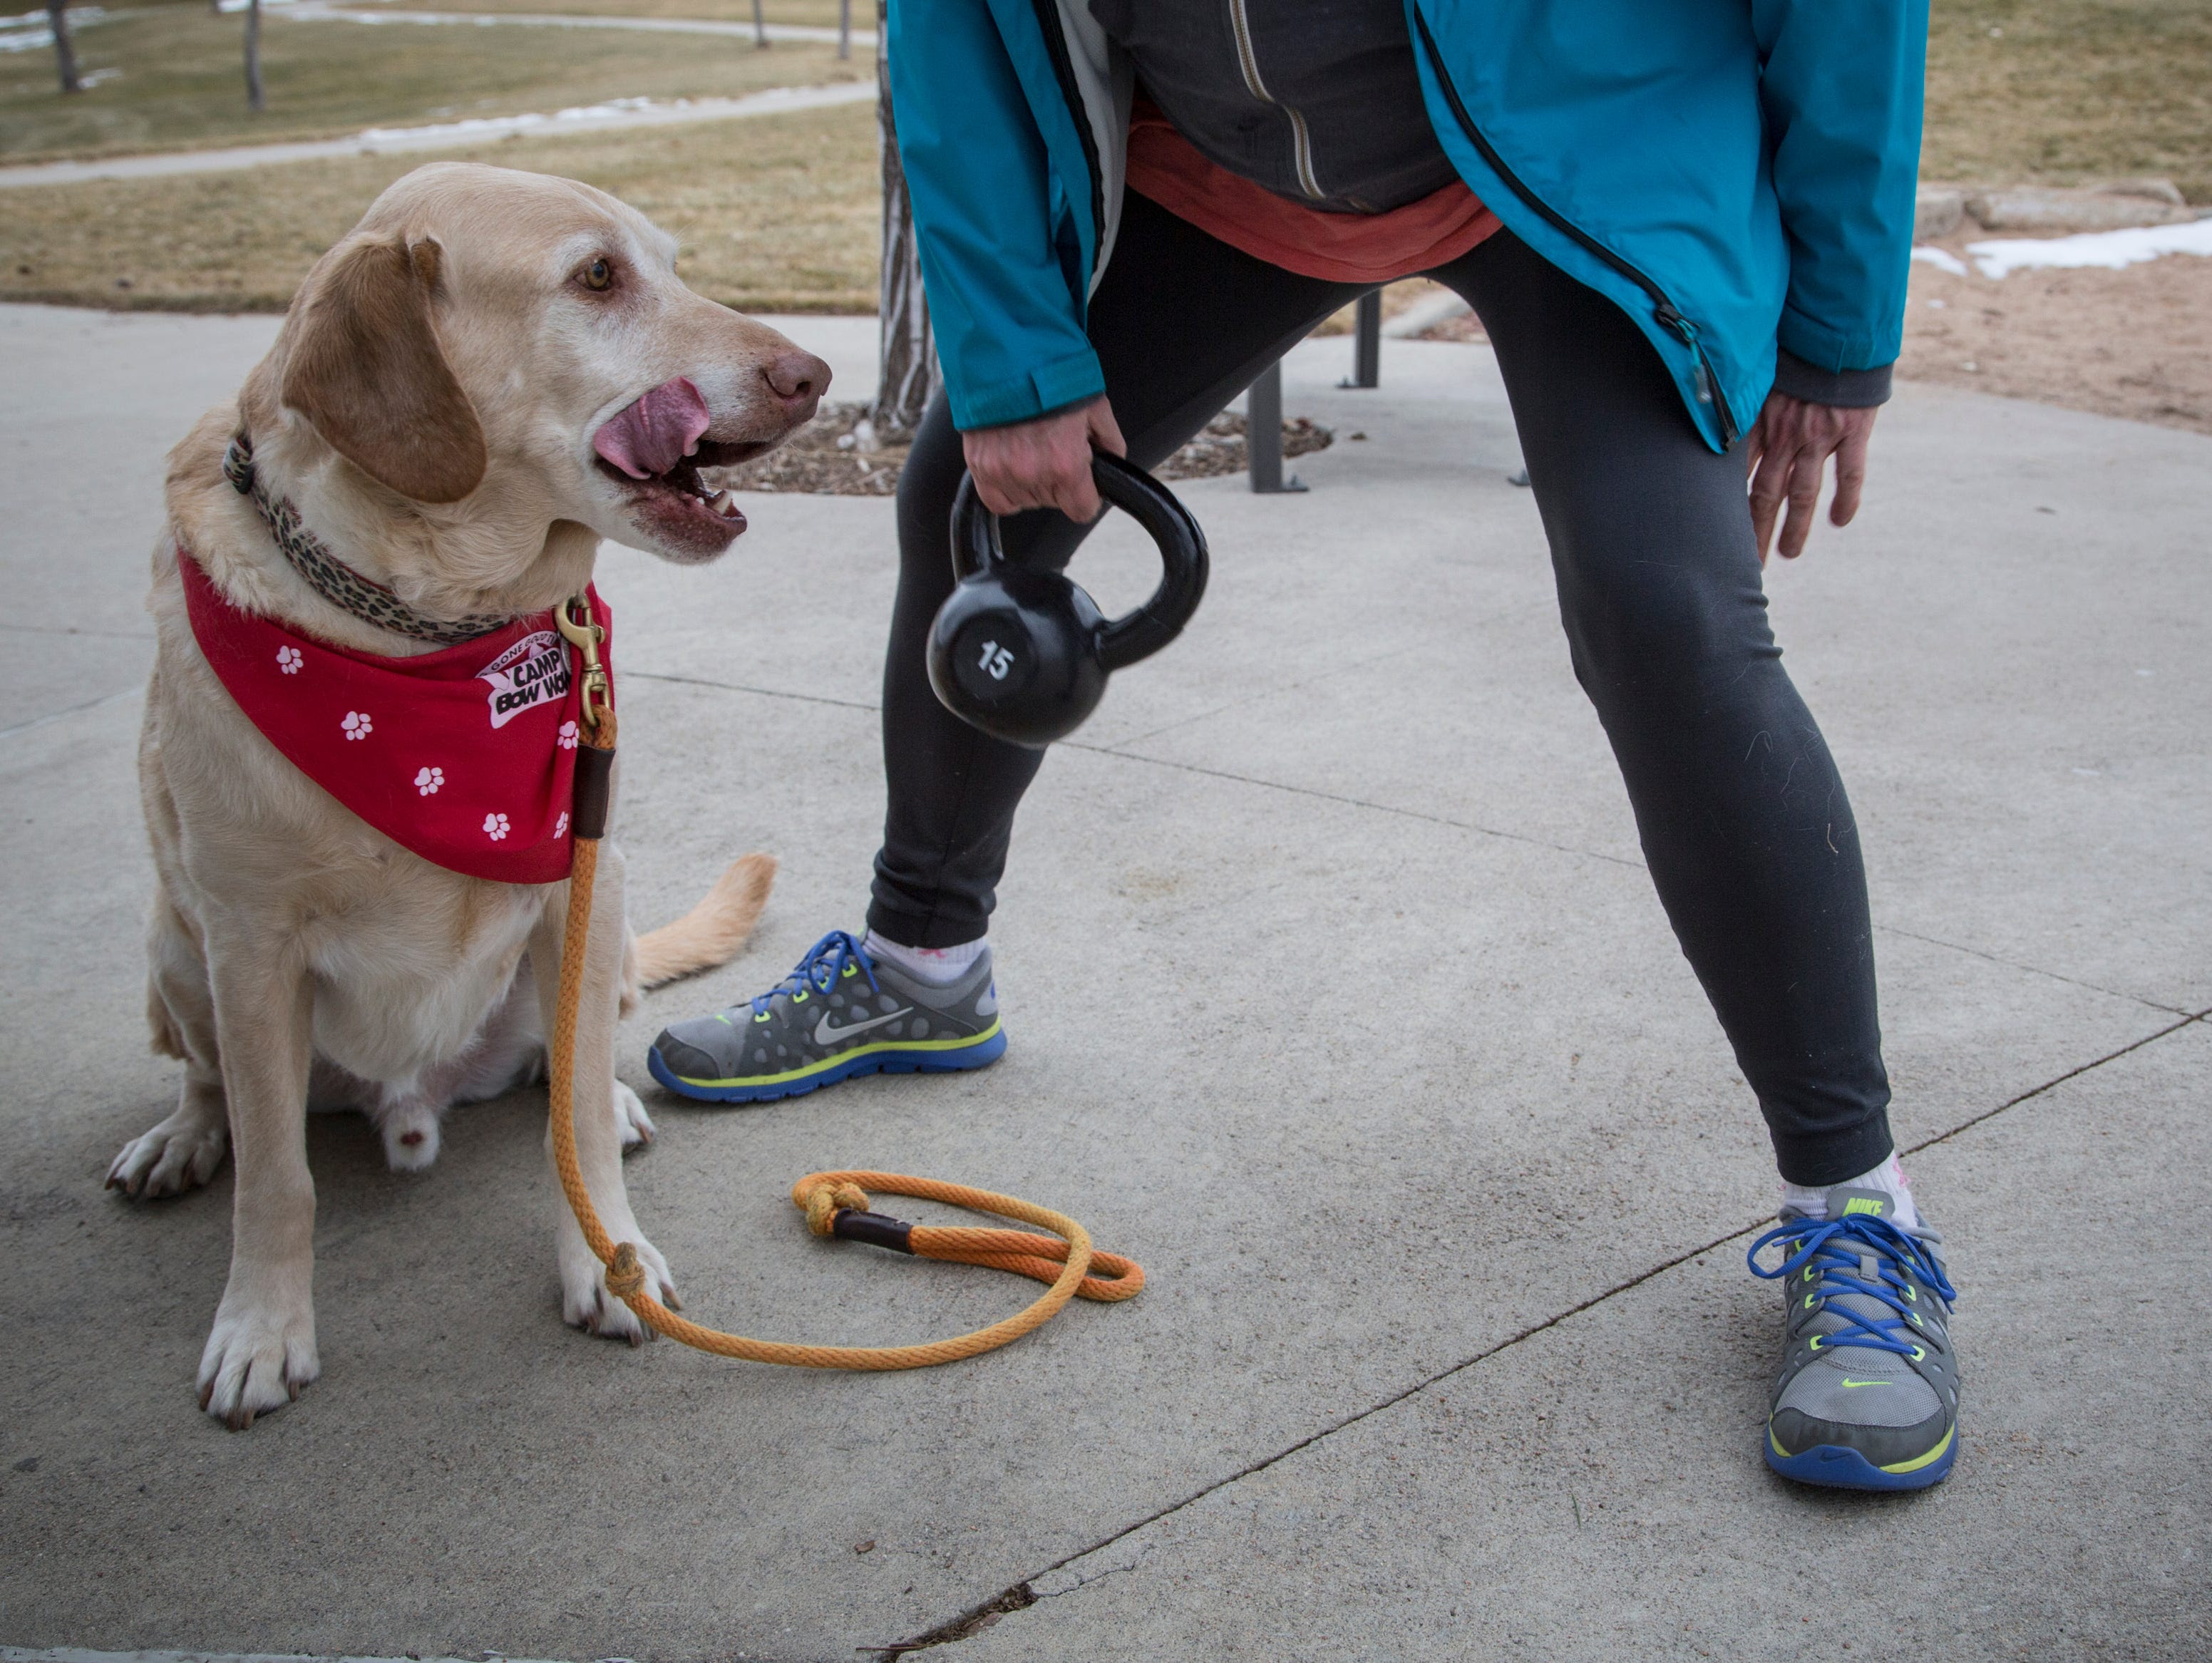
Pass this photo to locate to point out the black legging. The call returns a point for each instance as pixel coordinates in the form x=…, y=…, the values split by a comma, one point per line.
x=1741, y=813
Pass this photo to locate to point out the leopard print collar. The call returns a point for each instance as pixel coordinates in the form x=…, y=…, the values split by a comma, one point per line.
x=331, y=577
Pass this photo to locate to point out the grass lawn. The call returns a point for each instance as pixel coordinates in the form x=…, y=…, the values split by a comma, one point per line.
x=181, y=85
x=775, y=213
x=822, y=14
x=2063, y=90
x=780, y=213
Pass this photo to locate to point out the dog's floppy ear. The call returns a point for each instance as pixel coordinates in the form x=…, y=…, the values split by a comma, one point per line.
x=367, y=369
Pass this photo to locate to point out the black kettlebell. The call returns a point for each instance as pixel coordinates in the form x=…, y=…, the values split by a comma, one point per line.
x=1024, y=654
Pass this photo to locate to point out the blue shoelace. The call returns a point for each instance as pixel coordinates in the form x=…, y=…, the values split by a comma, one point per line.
x=1835, y=1247
x=821, y=966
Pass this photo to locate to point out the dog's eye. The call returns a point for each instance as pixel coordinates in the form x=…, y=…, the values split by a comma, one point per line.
x=599, y=274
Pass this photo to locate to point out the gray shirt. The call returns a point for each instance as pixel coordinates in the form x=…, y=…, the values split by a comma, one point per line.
x=1316, y=99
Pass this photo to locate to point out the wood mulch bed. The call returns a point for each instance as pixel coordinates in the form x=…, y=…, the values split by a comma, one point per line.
x=827, y=455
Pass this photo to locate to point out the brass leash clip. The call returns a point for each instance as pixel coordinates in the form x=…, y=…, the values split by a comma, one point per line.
x=573, y=619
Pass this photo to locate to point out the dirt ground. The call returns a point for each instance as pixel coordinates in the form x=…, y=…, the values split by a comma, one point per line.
x=821, y=457
x=776, y=213
x=2136, y=342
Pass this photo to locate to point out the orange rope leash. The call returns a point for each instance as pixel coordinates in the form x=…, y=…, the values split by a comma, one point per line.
x=835, y=1202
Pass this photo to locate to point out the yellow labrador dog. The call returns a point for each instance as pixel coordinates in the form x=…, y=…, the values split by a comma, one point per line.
x=491, y=373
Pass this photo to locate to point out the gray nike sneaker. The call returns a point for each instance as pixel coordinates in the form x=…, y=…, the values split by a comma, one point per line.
x=839, y=1014
x=1867, y=1396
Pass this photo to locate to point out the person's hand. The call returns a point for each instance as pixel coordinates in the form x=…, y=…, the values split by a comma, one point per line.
x=1046, y=463
x=1790, y=445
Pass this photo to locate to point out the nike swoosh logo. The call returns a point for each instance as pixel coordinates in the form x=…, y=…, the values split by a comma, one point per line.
x=825, y=1035
x=1870, y=1383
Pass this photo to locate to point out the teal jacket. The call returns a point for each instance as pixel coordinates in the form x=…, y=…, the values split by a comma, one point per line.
x=1738, y=176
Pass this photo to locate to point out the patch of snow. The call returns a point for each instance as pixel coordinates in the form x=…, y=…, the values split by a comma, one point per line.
x=31, y=31
x=1942, y=259
x=2110, y=250
x=582, y=115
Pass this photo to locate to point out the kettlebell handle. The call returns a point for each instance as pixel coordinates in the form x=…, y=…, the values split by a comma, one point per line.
x=1124, y=640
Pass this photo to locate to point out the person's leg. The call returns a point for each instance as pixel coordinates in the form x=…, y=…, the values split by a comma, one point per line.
x=1753, y=849
x=1742, y=812
x=1181, y=325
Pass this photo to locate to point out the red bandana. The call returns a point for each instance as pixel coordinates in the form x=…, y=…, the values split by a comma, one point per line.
x=466, y=755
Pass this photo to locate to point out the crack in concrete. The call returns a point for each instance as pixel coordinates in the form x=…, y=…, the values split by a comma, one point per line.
x=1969, y=1124
x=1121, y=746
x=71, y=710
x=970, y=1622
x=1083, y=1582
x=739, y=687
x=2032, y=969
x=1357, y=803
x=945, y=1634
x=78, y=630
x=1117, y=750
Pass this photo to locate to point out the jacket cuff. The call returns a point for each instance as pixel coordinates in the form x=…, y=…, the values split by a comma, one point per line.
x=1072, y=381
x=1845, y=389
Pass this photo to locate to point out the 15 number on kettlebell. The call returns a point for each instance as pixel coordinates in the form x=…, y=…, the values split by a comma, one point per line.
x=996, y=661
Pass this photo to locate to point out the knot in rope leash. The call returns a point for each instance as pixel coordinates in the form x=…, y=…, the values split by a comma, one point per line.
x=822, y=1199
x=837, y=1204
x=625, y=1273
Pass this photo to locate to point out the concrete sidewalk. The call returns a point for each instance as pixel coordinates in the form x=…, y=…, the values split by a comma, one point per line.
x=1442, y=1186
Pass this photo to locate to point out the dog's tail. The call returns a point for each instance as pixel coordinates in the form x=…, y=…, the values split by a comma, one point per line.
x=712, y=931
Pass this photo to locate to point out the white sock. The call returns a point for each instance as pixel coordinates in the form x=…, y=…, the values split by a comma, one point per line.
x=1888, y=1178
x=940, y=966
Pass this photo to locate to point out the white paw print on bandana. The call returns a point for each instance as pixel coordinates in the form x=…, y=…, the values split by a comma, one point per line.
x=428, y=780
x=496, y=826
x=357, y=725
x=567, y=735
x=288, y=660
x=560, y=826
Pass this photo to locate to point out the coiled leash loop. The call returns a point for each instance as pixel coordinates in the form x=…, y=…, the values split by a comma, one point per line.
x=837, y=1204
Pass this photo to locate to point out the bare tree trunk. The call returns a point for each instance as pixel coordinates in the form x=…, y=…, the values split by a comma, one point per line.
x=908, y=354
x=64, y=48
x=844, y=29
x=760, y=28
x=255, y=99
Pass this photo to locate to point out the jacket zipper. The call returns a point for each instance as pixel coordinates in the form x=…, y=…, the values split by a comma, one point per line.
x=1668, y=314
x=1063, y=69
x=1248, y=61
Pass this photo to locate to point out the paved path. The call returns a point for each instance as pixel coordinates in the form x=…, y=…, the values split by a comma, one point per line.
x=445, y=136
x=1440, y=1172
x=318, y=10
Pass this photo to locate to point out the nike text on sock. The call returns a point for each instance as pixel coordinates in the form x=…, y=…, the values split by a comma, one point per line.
x=937, y=965
x=1888, y=1178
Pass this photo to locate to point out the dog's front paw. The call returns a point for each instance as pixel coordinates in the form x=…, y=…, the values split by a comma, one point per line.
x=629, y=1114
x=586, y=1301
x=181, y=1153
x=256, y=1359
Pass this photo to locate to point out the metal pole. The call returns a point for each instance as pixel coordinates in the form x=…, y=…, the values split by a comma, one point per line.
x=760, y=28
x=1367, y=342
x=1263, y=434
x=844, y=29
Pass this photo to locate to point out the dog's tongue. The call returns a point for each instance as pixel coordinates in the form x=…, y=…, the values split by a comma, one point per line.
x=656, y=433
